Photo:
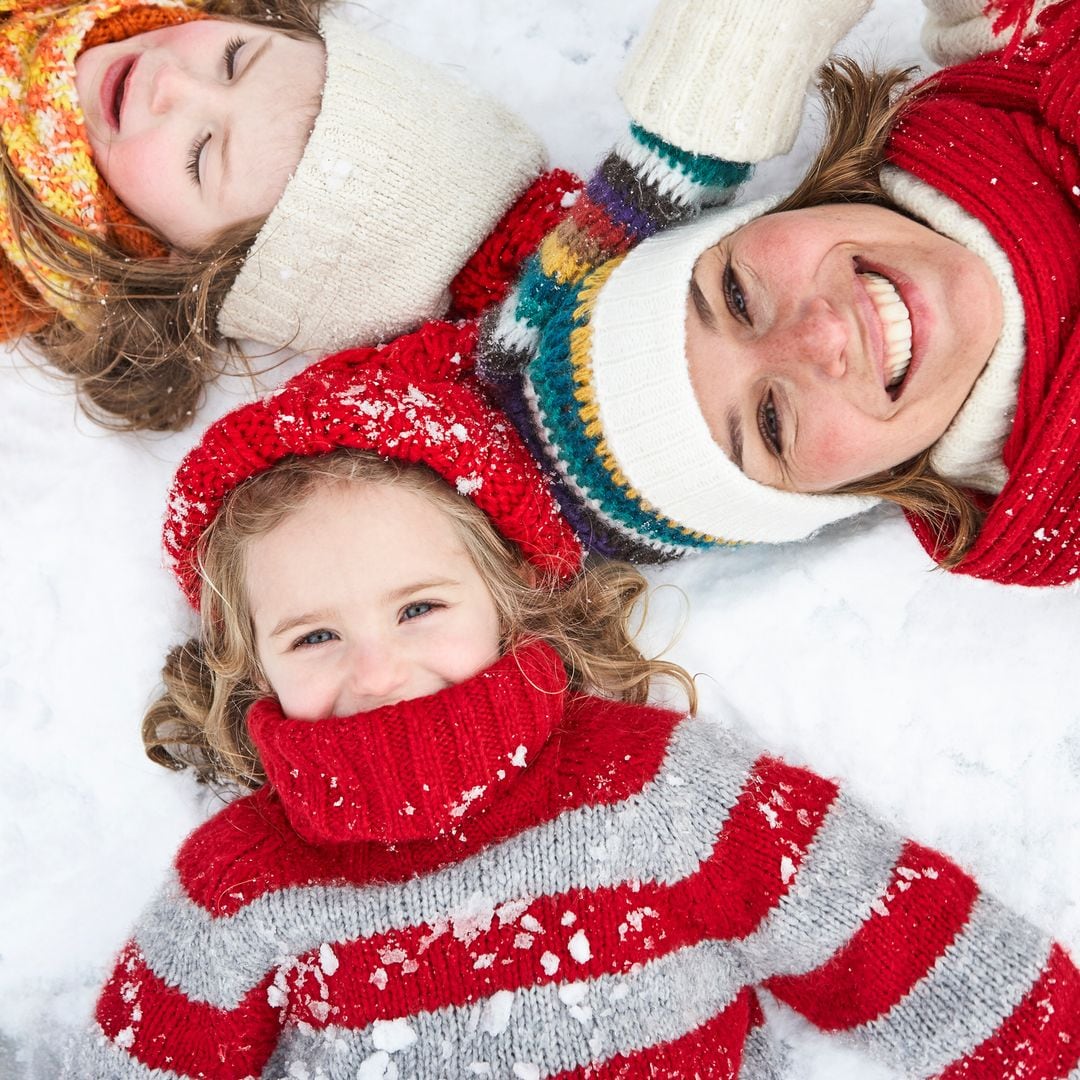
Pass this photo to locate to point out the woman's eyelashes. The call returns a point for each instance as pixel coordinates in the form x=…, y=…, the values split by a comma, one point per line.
x=769, y=424
x=194, y=161
x=734, y=296
x=768, y=416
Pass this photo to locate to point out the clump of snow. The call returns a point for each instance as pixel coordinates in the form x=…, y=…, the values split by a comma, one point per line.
x=474, y=918
x=495, y=1018
x=579, y=947
x=392, y=1035
x=328, y=960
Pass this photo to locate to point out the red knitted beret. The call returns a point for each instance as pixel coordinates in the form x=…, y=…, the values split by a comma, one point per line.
x=410, y=401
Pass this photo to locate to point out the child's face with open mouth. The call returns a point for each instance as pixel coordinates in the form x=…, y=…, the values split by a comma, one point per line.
x=831, y=343
x=365, y=596
x=198, y=127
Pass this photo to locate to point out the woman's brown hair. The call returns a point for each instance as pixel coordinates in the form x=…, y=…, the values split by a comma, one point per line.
x=861, y=108
x=142, y=353
x=210, y=681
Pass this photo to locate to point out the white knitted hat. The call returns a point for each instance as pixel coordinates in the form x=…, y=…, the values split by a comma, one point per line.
x=406, y=171
x=652, y=424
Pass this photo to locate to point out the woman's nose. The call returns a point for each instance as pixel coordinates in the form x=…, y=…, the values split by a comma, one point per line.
x=817, y=336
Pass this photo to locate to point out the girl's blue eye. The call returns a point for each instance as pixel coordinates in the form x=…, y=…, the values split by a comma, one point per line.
x=733, y=294
x=415, y=611
x=316, y=637
x=232, y=47
x=769, y=424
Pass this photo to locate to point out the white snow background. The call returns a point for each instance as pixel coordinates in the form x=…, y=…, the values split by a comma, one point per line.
x=950, y=705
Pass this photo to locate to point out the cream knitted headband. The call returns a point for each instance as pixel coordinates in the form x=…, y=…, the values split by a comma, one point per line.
x=652, y=423
x=382, y=210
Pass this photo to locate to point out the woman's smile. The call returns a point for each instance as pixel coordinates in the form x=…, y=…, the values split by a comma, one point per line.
x=829, y=344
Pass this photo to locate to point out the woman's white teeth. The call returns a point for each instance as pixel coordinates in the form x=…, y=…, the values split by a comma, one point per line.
x=895, y=325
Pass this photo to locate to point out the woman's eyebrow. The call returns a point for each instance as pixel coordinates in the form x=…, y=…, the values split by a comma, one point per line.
x=226, y=157
x=734, y=427
x=701, y=305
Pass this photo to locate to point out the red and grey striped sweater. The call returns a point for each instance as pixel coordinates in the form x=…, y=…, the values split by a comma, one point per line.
x=505, y=880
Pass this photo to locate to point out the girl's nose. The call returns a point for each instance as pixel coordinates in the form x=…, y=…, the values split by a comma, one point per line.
x=817, y=336
x=170, y=86
x=376, y=676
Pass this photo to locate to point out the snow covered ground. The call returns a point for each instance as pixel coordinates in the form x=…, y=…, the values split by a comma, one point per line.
x=949, y=705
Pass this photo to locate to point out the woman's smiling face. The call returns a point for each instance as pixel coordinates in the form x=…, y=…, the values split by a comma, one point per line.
x=198, y=127
x=829, y=344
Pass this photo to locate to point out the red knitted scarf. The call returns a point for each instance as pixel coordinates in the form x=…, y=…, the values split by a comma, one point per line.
x=415, y=770
x=998, y=136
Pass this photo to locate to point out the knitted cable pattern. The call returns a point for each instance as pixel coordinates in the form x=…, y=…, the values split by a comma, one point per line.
x=606, y=908
x=44, y=136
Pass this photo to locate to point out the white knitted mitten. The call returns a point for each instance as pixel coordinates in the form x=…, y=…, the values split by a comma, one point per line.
x=728, y=77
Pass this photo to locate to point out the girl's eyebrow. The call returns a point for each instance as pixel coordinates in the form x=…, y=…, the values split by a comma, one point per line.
x=293, y=621
x=419, y=587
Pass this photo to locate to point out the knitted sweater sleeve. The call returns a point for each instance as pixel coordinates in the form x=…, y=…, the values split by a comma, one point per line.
x=169, y=1003
x=893, y=945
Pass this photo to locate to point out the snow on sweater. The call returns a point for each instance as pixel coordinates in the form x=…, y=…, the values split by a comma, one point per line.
x=507, y=880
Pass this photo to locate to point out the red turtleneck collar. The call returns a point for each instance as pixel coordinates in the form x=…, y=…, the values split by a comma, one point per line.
x=413, y=770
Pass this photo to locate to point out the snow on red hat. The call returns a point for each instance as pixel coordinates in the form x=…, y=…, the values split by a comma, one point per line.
x=411, y=401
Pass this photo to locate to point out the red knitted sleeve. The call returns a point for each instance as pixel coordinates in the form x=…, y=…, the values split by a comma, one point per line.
x=938, y=979
x=488, y=276
x=161, y=1027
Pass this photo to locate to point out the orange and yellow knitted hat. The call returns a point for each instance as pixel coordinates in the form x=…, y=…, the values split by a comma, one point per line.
x=44, y=138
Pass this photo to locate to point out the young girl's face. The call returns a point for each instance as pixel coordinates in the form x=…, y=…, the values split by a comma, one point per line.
x=197, y=127
x=829, y=344
x=363, y=597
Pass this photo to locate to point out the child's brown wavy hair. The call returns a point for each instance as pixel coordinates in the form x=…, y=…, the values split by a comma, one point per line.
x=210, y=681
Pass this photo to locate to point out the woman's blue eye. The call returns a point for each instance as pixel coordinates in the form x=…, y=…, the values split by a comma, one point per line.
x=733, y=294
x=232, y=47
x=414, y=611
x=769, y=424
x=316, y=637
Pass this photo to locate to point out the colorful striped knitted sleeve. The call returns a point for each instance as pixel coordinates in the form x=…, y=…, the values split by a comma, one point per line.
x=645, y=184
